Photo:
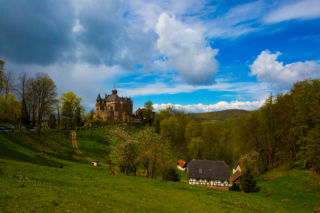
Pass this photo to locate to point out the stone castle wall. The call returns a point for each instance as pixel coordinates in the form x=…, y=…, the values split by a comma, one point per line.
x=113, y=107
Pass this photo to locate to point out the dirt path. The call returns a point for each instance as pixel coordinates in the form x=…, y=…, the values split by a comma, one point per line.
x=77, y=150
x=76, y=147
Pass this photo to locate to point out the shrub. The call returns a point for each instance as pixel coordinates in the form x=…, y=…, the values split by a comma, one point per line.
x=170, y=174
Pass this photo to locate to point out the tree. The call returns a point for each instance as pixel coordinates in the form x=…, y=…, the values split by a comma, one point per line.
x=145, y=149
x=9, y=109
x=148, y=106
x=247, y=181
x=21, y=88
x=251, y=161
x=88, y=118
x=125, y=153
x=147, y=113
x=52, y=123
x=59, y=113
x=71, y=110
x=1, y=75
x=193, y=129
x=25, y=118
x=7, y=82
x=195, y=147
x=313, y=149
x=155, y=156
x=170, y=174
x=32, y=100
x=45, y=90
x=306, y=104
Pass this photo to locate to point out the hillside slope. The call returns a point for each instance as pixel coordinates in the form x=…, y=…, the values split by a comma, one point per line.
x=219, y=115
x=31, y=180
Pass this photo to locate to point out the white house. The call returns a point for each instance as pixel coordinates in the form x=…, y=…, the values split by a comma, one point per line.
x=209, y=173
x=236, y=167
x=182, y=165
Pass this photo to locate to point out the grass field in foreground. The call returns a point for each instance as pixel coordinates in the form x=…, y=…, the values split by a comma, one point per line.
x=37, y=184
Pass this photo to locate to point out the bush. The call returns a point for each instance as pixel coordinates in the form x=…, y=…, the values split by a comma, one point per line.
x=170, y=174
x=247, y=181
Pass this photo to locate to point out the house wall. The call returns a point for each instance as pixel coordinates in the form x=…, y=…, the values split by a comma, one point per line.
x=237, y=169
x=209, y=182
x=180, y=168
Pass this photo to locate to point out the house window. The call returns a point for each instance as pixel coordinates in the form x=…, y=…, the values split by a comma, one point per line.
x=200, y=170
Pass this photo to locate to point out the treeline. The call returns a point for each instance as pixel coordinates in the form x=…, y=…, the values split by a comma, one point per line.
x=32, y=103
x=284, y=131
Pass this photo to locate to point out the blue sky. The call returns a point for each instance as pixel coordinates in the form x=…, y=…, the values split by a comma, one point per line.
x=196, y=55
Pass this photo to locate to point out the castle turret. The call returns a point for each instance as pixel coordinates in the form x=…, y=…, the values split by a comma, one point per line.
x=99, y=97
x=114, y=92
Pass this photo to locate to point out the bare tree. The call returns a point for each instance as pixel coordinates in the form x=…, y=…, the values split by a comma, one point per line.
x=31, y=98
x=7, y=82
x=46, y=96
x=41, y=98
x=21, y=90
x=1, y=75
x=6, y=79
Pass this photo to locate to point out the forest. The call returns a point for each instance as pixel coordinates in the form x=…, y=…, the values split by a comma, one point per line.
x=284, y=131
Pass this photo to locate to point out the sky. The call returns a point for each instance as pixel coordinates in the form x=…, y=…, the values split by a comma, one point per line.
x=194, y=55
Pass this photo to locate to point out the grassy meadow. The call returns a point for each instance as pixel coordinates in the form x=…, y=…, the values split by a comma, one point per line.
x=44, y=174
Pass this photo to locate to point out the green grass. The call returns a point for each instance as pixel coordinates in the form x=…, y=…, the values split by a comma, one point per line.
x=94, y=144
x=295, y=187
x=31, y=181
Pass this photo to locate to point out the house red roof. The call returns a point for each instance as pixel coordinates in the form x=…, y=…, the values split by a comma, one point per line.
x=235, y=176
x=182, y=163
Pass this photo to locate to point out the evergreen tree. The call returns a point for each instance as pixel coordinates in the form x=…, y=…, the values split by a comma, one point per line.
x=247, y=182
x=25, y=118
x=170, y=174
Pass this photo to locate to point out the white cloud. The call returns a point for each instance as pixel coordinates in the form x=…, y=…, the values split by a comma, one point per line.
x=187, y=50
x=237, y=21
x=148, y=11
x=77, y=27
x=222, y=105
x=305, y=9
x=267, y=68
x=253, y=90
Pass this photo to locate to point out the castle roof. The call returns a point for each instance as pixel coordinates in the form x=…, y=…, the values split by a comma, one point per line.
x=113, y=97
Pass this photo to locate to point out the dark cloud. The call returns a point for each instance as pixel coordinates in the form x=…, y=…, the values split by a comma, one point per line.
x=41, y=32
x=111, y=39
x=35, y=31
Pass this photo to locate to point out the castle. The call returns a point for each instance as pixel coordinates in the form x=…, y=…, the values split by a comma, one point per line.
x=113, y=107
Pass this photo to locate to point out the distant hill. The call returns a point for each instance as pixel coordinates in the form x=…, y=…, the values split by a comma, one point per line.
x=219, y=115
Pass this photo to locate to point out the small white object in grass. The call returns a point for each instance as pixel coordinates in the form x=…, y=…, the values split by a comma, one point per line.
x=95, y=163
